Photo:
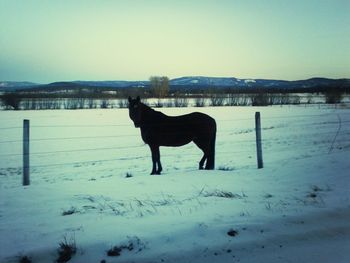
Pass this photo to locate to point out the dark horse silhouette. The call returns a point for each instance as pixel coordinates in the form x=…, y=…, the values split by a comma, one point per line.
x=158, y=129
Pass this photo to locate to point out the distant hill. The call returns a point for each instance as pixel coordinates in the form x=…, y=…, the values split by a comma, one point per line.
x=209, y=82
x=114, y=84
x=14, y=85
x=185, y=83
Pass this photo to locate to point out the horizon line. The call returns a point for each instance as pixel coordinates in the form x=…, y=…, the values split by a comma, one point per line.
x=189, y=76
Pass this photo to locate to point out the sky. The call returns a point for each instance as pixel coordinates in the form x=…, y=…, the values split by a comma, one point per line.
x=47, y=41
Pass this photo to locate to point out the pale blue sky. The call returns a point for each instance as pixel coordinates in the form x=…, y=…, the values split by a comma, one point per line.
x=46, y=41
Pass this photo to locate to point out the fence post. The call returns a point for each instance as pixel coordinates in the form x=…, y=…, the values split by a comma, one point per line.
x=26, y=167
x=258, y=140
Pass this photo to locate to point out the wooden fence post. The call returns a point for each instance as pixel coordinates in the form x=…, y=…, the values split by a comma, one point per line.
x=26, y=167
x=258, y=140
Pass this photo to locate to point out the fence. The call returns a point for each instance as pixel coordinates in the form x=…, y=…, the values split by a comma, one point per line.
x=332, y=134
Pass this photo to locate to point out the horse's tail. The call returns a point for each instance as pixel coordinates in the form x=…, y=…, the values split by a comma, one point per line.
x=211, y=157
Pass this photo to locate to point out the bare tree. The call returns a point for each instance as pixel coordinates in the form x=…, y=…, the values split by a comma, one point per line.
x=159, y=86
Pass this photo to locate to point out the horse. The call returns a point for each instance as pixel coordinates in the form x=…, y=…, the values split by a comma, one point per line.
x=158, y=129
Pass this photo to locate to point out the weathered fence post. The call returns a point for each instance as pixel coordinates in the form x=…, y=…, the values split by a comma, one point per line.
x=26, y=168
x=258, y=140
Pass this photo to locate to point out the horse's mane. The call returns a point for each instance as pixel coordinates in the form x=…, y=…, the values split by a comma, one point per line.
x=146, y=107
x=151, y=114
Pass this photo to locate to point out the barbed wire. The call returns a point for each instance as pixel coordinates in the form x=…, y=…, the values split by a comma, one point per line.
x=93, y=162
x=268, y=140
x=231, y=132
x=135, y=135
x=130, y=124
x=316, y=143
x=88, y=162
x=76, y=150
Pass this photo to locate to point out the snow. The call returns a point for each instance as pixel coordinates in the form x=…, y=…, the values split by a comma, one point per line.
x=295, y=209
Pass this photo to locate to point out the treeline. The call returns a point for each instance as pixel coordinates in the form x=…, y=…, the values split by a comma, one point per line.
x=17, y=101
x=67, y=95
x=345, y=88
x=91, y=100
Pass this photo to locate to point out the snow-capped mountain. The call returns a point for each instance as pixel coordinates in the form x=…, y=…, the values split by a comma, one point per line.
x=204, y=81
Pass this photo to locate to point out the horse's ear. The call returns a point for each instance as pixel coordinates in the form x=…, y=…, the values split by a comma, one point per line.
x=138, y=99
x=129, y=99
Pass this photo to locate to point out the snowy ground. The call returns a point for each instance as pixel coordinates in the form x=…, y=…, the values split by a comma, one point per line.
x=90, y=185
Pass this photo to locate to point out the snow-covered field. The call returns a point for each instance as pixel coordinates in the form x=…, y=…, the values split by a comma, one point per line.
x=90, y=185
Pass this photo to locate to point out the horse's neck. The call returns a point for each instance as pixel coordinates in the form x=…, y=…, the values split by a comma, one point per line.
x=150, y=116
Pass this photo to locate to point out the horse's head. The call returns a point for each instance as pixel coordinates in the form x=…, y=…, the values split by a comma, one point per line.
x=135, y=111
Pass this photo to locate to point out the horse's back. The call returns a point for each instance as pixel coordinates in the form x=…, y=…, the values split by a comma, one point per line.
x=201, y=120
x=194, y=124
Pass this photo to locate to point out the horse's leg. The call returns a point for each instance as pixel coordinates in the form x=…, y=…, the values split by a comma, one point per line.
x=209, y=153
x=203, y=148
x=157, y=166
x=160, y=168
x=154, y=159
x=201, y=162
x=210, y=165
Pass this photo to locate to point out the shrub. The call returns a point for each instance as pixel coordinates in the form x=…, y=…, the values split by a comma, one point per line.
x=66, y=250
x=199, y=102
x=309, y=98
x=295, y=99
x=123, y=103
x=104, y=104
x=221, y=193
x=217, y=100
x=180, y=102
x=128, y=175
x=169, y=103
x=260, y=99
x=159, y=104
x=70, y=211
x=226, y=168
x=134, y=244
x=282, y=99
x=11, y=100
x=243, y=100
x=92, y=103
x=232, y=232
x=233, y=99
x=25, y=259
x=333, y=96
